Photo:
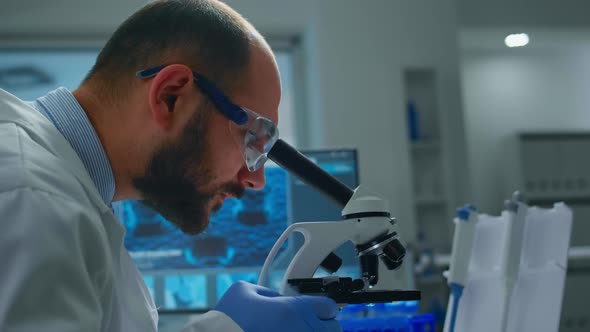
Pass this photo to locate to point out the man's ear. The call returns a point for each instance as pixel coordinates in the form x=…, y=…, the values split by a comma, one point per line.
x=172, y=82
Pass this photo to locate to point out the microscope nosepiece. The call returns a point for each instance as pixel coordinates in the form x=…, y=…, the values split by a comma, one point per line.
x=386, y=246
x=393, y=254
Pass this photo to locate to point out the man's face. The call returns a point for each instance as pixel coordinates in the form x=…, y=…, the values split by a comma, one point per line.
x=188, y=179
x=180, y=182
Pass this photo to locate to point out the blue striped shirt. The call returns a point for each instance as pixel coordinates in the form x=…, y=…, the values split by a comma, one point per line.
x=61, y=107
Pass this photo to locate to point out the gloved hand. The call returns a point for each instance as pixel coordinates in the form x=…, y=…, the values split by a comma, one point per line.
x=256, y=309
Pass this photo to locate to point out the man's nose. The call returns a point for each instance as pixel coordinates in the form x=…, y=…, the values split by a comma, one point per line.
x=252, y=180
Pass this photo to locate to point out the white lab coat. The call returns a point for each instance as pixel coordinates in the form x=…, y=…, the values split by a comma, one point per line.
x=63, y=266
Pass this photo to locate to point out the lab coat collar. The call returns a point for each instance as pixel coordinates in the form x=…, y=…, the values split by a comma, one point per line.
x=63, y=109
x=40, y=128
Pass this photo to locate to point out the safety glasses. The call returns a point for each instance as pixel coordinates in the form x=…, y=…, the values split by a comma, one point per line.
x=253, y=133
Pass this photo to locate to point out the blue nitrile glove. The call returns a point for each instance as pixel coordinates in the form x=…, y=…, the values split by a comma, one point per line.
x=255, y=309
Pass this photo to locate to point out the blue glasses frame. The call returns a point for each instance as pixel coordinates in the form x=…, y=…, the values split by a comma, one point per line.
x=230, y=110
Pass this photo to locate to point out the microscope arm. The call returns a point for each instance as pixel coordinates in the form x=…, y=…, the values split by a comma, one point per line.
x=305, y=262
x=320, y=239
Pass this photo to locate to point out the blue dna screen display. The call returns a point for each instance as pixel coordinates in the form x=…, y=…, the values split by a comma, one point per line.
x=190, y=273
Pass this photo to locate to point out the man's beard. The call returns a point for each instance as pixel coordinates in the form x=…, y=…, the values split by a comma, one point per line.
x=176, y=174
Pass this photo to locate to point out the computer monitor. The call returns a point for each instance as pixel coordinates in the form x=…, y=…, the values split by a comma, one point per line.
x=190, y=273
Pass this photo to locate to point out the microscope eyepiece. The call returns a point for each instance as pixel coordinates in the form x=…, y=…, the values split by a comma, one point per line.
x=296, y=163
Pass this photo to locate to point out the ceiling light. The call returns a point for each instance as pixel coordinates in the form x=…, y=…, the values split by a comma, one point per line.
x=517, y=40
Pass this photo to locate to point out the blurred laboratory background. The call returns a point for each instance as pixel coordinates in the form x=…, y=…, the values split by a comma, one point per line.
x=433, y=104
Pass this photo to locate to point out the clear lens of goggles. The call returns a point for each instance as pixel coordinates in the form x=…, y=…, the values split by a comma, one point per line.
x=256, y=138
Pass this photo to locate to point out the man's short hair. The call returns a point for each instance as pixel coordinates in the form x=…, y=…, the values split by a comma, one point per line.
x=205, y=35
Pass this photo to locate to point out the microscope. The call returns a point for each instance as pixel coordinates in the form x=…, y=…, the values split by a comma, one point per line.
x=366, y=222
